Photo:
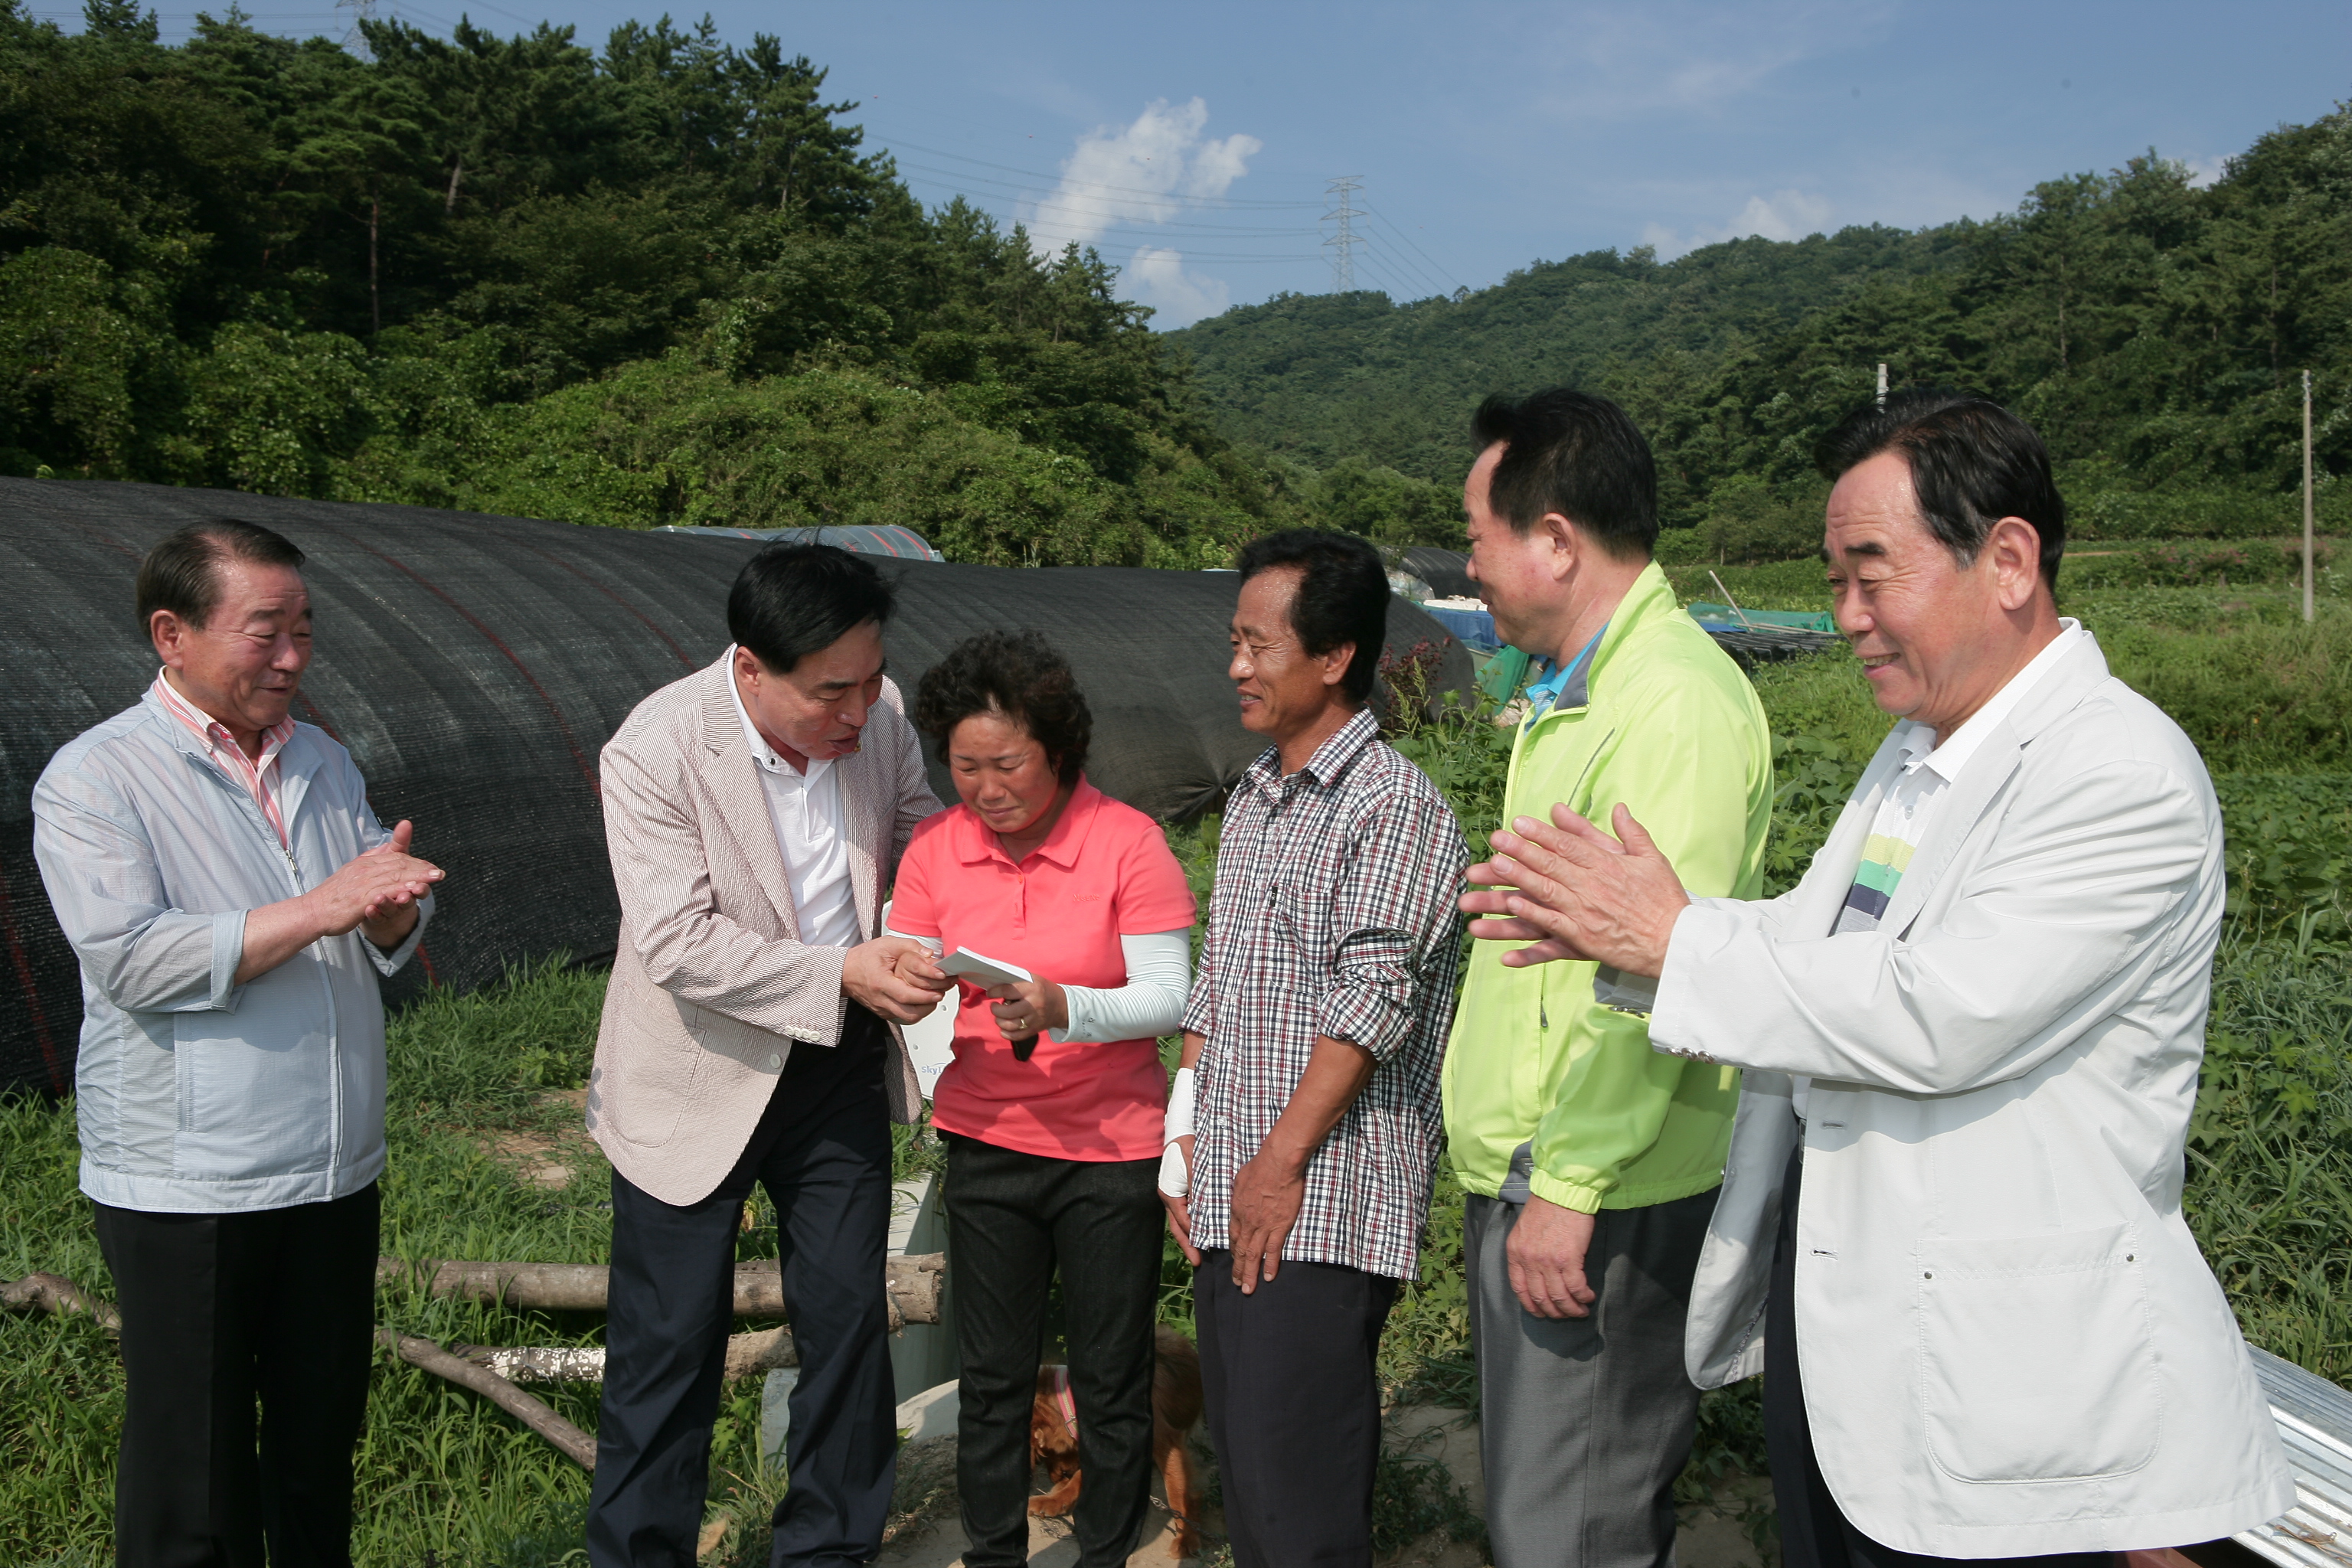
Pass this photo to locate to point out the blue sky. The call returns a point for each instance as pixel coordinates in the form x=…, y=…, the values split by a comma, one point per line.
x=1194, y=143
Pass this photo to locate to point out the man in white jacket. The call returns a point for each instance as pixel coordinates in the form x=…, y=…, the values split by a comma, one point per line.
x=1971, y=1037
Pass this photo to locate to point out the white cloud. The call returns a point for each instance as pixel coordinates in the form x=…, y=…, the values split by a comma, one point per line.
x=2203, y=172
x=1783, y=215
x=1178, y=299
x=1147, y=171
x=1610, y=61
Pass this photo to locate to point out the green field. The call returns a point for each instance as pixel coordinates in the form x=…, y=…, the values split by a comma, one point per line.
x=477, y=1115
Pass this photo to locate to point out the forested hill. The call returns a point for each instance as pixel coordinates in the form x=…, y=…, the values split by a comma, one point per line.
x=2154, y=330
x=664, y=281
x=657, y=283
x=1327, y=377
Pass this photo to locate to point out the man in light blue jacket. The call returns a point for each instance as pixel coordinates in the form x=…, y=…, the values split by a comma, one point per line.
x=231, y=899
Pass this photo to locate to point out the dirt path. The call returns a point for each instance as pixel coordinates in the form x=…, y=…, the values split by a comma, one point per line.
x=925, y=1533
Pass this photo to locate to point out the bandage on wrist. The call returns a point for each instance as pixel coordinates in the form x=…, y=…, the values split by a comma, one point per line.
x=1175, y=1173
x=1178, y=1123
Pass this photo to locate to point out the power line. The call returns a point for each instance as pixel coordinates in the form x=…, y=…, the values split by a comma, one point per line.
x=1411, y=275
x=1142, y=232
x=1060, y=181
x=958, y=181
x=1343, y=255
x=1346, y=247
x=1394, y=228
x=1381, y=264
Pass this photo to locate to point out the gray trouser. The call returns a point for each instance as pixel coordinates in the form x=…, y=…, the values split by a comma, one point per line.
x=1584, y=1423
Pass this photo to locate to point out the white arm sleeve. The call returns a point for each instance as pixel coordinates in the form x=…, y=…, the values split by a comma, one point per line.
x=1152, y=1003
x=937, y=949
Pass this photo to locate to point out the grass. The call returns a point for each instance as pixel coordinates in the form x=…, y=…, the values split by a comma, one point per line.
x=439, y=1471
x=446, y=1479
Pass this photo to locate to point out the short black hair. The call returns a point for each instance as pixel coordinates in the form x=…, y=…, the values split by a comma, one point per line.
x=793, y=600
x=1019, y=675
x=1577, y=454
x=1972, y=463
x=1343, y=595
x=182, y=573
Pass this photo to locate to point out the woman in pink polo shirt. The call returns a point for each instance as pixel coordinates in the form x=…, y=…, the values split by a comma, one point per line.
x=1053, y=1107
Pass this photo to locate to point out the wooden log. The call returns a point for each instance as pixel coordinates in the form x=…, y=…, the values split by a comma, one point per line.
x=763, y=1349
x=537, y=1363
x=56, y=1294
x=567, y=1440
x=912, y=1282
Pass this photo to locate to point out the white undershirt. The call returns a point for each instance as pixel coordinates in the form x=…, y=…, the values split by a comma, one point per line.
x=1929, y=770
x=805, y=810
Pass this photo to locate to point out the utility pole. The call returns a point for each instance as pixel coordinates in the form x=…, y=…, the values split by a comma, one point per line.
x=1882, y=383
x=2306, y=496
x=1344, y=212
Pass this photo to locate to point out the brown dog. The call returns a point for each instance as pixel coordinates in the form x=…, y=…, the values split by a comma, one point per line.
x=1175, y=1407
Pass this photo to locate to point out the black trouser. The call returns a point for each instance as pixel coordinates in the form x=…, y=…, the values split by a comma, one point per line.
x=1294, y=1407
x=217, y=1308
x=823, y=1150
x=1814, y=1533
x=1013, y=1218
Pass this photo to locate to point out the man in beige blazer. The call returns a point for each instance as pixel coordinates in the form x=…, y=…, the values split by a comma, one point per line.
x=1950, y=1233
x=755, y=812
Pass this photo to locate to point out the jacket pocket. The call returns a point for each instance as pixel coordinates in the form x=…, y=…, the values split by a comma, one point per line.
x=2037, y=1356
x=257, y=1090
x=653, y=1081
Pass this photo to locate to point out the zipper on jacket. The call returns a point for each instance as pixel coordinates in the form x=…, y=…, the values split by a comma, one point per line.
x=284, y=849
x=1601, y=745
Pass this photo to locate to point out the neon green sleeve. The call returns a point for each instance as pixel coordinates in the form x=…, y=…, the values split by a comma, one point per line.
x=1695, y=771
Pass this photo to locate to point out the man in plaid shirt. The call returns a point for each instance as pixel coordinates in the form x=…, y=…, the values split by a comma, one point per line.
x=1312, y=1043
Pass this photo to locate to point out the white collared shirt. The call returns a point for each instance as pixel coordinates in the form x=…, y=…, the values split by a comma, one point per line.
x=805, y=809
x=1926, y=777
x=1949, y=758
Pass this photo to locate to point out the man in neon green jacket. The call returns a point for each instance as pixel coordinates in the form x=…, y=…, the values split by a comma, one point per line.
x=1590, y=1161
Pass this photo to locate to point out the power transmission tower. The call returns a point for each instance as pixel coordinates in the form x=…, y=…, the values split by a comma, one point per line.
x=1344, y=212
x=353, y=39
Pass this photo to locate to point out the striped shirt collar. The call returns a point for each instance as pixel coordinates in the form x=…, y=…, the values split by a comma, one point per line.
x=1329, y=761
x=262, y=777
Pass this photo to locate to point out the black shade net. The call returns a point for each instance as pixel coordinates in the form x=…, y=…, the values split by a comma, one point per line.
x=1445, y=570
x=475, y=666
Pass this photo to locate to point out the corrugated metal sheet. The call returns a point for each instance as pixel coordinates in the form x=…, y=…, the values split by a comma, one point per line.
x=2314, y=1421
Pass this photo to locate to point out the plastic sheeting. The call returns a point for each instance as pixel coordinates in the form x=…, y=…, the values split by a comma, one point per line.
x=1447, y=572
x=864, y=539
x=1475, y=628
x=476, y=665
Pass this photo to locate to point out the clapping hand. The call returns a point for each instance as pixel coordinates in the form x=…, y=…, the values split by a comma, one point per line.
x=375, y=893
x=377, y=890
x=1576, y=893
